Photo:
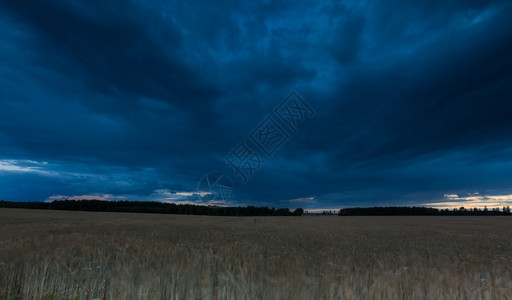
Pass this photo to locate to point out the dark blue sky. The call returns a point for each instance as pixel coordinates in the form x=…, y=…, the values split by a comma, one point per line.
x=138, y=100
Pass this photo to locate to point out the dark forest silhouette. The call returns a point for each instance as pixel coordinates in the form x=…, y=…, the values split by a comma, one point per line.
x=153, y=207
x=422, y=211
x=190, y=209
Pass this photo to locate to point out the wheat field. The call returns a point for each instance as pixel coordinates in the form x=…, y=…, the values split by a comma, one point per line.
x=95, y=255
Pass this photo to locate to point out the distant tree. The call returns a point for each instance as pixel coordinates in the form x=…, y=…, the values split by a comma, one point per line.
x=506, y=210
x=298, y=212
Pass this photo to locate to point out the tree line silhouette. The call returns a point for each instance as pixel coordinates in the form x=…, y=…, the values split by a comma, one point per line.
x=190, y=209
x=422, y=211
x=154, y=207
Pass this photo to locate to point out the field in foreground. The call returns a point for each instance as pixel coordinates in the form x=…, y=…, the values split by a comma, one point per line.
x=87, y=255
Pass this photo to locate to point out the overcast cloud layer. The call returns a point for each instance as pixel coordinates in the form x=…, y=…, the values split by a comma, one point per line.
x=138, y=100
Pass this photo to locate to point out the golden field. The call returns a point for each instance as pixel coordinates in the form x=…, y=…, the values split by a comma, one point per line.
x=96, y=255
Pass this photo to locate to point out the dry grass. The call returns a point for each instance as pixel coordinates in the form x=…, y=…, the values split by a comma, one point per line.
x=85, y=255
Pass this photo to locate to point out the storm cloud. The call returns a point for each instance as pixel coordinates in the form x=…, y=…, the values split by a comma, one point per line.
x=138, y=100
